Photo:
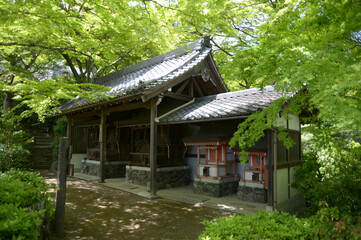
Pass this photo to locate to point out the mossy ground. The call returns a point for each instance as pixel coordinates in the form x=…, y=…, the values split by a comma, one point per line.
x=94, y=211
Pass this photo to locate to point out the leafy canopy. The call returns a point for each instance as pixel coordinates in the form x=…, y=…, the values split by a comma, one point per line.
x=41, y=41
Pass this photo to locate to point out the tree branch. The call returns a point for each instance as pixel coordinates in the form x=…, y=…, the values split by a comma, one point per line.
x=111, y=64
x=71, y=65
x=27, y=66
x=43, y=46
x=222, y=49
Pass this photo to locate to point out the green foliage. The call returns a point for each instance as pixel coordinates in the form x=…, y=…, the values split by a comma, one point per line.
x=18, y=223
x=333, y=224
x=41, y=97
x=22, y=188
x=254, y=127
x=60, y=130
x=330, y=175
x=14, y=144
x=41, y=41
x=20, y=191
x=263, y=225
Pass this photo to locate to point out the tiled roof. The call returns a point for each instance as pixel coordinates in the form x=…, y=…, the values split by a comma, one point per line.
x=224, y=105
x=149, y=74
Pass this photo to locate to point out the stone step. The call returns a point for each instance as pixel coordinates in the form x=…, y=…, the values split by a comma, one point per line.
x=41, y=147
x=42, y=159
x=43, y=140
x=41, y=166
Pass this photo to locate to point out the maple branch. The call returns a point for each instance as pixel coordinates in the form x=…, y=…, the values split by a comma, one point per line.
x=42, y=46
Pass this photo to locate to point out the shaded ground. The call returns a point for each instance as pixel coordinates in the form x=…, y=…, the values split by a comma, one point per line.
x=94, y=211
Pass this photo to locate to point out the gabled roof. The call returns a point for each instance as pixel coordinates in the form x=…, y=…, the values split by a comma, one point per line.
x=145, y=77
x=223, y=106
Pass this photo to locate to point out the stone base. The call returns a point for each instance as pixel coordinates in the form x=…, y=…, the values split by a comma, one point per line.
x=167, y=177
x=252, y=194
x=215, y=187
x=112, y=169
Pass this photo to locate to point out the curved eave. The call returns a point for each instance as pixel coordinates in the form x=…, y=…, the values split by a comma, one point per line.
x=101, y=104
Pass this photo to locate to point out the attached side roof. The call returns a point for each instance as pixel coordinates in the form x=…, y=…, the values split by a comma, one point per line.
x=146, y=77
x=223, y=106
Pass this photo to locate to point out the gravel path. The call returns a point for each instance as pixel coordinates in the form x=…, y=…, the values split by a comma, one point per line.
x=94, y=211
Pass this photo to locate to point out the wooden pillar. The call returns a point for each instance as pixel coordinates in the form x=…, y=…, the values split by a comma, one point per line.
x=153, y=147
x=102, y=142
x=61, y=184
x=275, y=170
x=68, y=133
x=70, y=167
x=270, y=167
x=191, y=89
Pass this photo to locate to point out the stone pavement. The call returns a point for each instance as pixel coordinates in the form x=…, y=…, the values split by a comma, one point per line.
x=183, y=194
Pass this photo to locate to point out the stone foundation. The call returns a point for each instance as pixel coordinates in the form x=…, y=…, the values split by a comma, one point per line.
x=252, y=193
x=112, y=169
x=167, y=177
x=215, y=187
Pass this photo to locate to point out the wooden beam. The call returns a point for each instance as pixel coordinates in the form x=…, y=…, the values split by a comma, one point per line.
x=126, y=106
x=68, y=133
x=153, y=147
x=199, y=90
x=177, y=96
x=270, y=167
x=180, y=90
x=81, y=121
x=155, y=92
x=85, y=114
x=191, y=89
x=102, y=141
x=221, y=87
x=274, y=151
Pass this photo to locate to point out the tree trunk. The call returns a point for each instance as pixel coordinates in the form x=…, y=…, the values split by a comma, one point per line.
x=8, y=95
x=7, y=101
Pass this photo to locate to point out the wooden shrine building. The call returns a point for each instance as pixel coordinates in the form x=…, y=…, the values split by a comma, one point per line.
x=168, y=123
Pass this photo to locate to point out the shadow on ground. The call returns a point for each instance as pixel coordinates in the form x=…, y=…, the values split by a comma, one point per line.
x=95, y=211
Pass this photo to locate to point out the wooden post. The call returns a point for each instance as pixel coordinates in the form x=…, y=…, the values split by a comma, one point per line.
x=61, y=184
x=102, y=141
x=270, y=167
x=68, y=133
x=275, y=170
x=70, y=167
x=153, y=147
x=191, y=89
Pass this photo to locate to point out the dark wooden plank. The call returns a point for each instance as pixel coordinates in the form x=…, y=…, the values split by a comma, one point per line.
x=153, y=147
x=270, y=167
x=68, y=133
x=126, y=106
x=184, y=85
x=181, y=97
x=102, y=141
x=274, y=146
x=198, y=89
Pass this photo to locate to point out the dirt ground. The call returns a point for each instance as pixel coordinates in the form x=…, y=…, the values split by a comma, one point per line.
x=94, y=211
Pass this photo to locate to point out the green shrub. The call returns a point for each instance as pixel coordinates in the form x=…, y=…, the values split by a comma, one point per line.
x=333, y=224
x=15, y=143
x=331, y=172
x=60, y=130
x=263, y=225
x=20, y=192
x=18, y=223
x=341, y=190
x=22, y=188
